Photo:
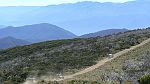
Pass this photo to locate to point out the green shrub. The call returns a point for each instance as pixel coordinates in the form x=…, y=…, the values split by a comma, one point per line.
x=8, y=82
x=145, y=79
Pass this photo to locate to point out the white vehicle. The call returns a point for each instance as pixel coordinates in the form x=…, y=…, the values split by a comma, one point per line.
x=60, y=76
x=110, y=55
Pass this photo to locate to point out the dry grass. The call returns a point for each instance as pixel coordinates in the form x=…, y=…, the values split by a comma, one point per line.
x=116, y=67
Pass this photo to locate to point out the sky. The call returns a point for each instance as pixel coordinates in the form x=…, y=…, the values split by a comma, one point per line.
x=47, y=2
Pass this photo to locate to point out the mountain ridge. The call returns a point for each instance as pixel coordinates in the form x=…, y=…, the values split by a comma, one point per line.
x=81, y=18
x=10, y=42
x=37, y=32
x=104, y=33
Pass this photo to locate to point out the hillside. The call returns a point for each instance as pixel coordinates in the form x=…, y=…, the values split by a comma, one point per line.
x=104, y=33
x=10, y=42
x=37, y=32
x=128, y=67
x=63, y=56
x=75, y=17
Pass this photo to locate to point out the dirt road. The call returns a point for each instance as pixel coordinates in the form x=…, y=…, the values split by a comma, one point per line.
x=100, y=63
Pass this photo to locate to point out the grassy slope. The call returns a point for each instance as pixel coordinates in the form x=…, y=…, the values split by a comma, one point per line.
x=129, y=67
x=64, y=55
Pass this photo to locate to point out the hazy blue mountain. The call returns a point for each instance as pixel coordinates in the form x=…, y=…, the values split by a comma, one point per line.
x=82, y=17
x=9, y=42
x=11, y=14
x=2, y=26
x=104, y=33
x=36, y=32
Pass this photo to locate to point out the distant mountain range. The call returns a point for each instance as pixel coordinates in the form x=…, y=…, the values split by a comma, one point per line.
x=82, y=17
x=104, y=33
x=2, y=26
x=36, y=33
x=11, y=36
x=9, y=42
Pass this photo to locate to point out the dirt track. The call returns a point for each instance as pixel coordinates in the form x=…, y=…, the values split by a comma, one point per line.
x=100, y=63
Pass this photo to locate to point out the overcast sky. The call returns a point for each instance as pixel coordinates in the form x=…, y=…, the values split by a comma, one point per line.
x=46, y=2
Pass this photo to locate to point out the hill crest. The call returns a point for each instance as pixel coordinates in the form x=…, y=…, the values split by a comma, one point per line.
x=37, y=32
